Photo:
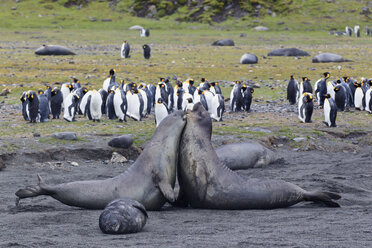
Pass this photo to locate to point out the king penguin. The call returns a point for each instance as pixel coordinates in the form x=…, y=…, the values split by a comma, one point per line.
x=236, y=97
x=147, y=97
x=292, y=90
x=43, y=107
x=247, y=97
x=135, y=104
x=368, y=97
x=104, y=96
x=161, y=92
x=305, y=107
x=330, y=111
x=340, y=97
x=217, y=107
x=350, y=89
x=215, y=88
x=120, y=104
x=161, y=111
x=125, y=49
x=96, y=106
x=357, y=31
x=76, y=83
x=70, y=104
x=321, y=88
x=56, y=101
x=24, y=101
x=358, y=96
x=109, y=81
x=110, y=108
x=32, y=106
x=66, y=89
x=189, y=105
x=85, y=104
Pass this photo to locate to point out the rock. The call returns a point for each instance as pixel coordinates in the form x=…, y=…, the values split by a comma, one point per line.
x=65, y=135
x=257, y=129
x=2, y=165
x=36, y=134
x=248, y=58
x=243, y=35
x=261, y=28
x=5, y=92
x=106, y=20
x=329, y=58
x=288, y=52
x=118, y=158
x=174, y=77
x=124, y=141
x=224, y=42
x=299, y=139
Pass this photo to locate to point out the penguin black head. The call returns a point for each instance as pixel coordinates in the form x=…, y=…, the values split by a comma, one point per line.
x=112, y=72
x=70, y=86
x=162, y=79
x=338, y=81
x=326, y=74
x=203, y=80
x=346, y=79
x=48, y=87
x=166, y=80
x=191, y=81
x=244, y=87
x=189, y=100
x=75, y=79
x=214, y=84
x=111, y=91
x=160, y=100
x=30, y=95
x=292, y=77
x=179, y=84
x=251, y=89
x=369, y=82
x=162, y=85
x=305, y=79
x=308, y=97
x=327, y=96
x=337, y=88
x=40, y=92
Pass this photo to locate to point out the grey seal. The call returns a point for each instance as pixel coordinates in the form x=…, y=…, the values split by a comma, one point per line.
x=329, y=58
x=53, y=50
x=288, y=52
x=150, y=180
x=241, y=156
x=248, y=58
x=123, y=216
x=205, y=182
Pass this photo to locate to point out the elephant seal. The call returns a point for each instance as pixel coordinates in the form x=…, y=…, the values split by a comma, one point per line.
x=243, y=156
x=329, y=58
x=205, y=182
x=123, y=141
x=224, y=42
x=248, y=58
x=150, y=180
x=288, y=52
x=123, y=216
x=53, y=50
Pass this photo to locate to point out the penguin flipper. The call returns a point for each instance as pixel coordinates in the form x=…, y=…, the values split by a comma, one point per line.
x=324, y=197
x=33, y=190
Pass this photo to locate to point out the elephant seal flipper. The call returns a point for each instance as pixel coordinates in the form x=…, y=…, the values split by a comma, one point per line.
x=209, y=184
x=33, y=190
x=167, y=191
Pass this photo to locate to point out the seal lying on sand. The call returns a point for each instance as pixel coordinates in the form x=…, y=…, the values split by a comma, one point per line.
x=53, y=50
x=123, y=216
x=243, y=156
x=206, y=183
x=150, y=180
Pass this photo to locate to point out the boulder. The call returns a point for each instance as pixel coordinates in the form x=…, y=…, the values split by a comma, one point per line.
x=329, y=58
x=118, y=158
x=124, y=141
x=224, y=42
x=248, y=58
x=65, y=136
x=261, y=28
x=288, y=52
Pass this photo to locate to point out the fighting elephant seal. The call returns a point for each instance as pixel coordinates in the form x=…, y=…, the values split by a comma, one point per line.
x=243, y=156
x=206, y=183
x=53, y=50
x=123, y=216
x=150, y=180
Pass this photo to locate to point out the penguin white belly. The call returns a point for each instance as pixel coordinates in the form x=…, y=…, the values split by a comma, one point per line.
x=189, y=106
x=327, y=112
x=122, y=51
x=358, y=98
x=28, y=111
x=367, y=100
x=185, y=86
x=301, y=91
x=232, y=97
x=209, y=97
x=213, y=90
x=133, y=106
x=65, y=91
x=330, y=90
x=106, y=84
x=315, y=89
x=216, y=104
x=184, y=100
x=96, y=106
x=117, y=103
x=157, y=94
x=301, y=112
x=83, y=102
x=144, y=98
x=66, y=104
x=196, y=97
x=160, y=112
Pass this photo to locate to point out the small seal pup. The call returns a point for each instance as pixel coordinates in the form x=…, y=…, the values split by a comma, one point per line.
x=150, y=180
x=123, y=216
x=206, y=182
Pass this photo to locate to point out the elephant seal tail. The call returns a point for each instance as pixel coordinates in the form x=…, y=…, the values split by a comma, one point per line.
x=324, y=197
x=33, y=190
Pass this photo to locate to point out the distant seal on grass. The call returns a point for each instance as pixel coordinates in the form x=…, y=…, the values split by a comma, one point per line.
x=224, y=42
x=123, y=216
x=329, y=58
x=53, y=50
x=123, y=141
x=241, y=156
x=288, y=52
x=205, y=182
x=150, y=180
x=248, y=58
